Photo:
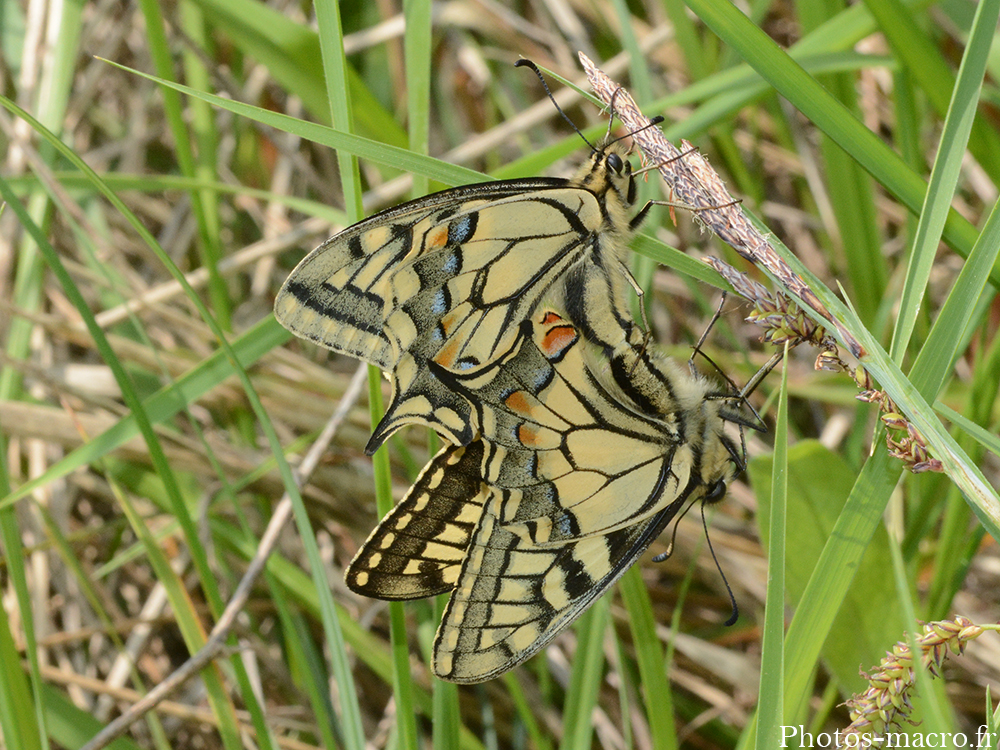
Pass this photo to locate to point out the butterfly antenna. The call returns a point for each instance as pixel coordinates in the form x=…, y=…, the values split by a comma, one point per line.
x=652, y=123
x=528, y=64
x=732, y=599
x=670, y=550
x=611, y=121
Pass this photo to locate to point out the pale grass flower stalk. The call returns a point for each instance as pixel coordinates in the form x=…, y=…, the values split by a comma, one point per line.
x=691, y=178
x=887, y=701
x=697, y=185
x=781, y=318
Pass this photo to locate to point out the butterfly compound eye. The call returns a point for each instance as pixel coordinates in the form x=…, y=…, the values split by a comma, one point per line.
x=615, y=163
x=716, y=492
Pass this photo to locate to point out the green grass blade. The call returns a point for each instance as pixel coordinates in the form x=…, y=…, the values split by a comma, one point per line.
x=338, y=92
x=858, y=633
x=833, y=576
x=186, y=617
x=792, y=82
x=380, y=153
x=205, y=202
x=417, y=49
x=945, y=173
x=309, y=654
x=952, y=327
x=932, y=72
x=19, y=712
x=164, y=404
x=649, y=656
x=585, y=677
x=770, y=708
x=986, y=439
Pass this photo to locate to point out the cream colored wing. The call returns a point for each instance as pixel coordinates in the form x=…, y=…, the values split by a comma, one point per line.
x=574, y=457
x=449, y=278
x=579, y=482
x=513, y=597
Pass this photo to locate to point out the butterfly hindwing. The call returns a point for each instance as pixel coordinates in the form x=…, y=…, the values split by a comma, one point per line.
x=513, y=596
x=417, y=550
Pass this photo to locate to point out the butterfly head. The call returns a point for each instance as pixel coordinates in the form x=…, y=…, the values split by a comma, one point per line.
x=610, y=170
x=721, y=460
x=608, y=175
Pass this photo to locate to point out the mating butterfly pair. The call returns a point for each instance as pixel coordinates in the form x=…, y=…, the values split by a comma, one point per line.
x=499, y=313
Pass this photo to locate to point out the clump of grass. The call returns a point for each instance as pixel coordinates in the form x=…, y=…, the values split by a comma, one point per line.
x=130, y=507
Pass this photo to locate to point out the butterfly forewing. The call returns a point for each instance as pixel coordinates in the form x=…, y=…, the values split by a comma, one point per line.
x=450, y=277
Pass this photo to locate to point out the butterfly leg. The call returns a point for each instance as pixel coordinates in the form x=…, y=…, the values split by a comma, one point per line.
x=708, y=329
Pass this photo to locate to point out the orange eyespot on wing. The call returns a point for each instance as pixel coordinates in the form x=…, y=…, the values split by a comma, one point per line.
x=557, y=340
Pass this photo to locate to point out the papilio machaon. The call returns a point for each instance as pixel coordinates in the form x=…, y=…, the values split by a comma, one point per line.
x=449, y=278
x=572, y=477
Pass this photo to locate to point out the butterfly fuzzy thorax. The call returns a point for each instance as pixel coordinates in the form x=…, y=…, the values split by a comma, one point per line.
x=448, y=279
x=655, y=384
